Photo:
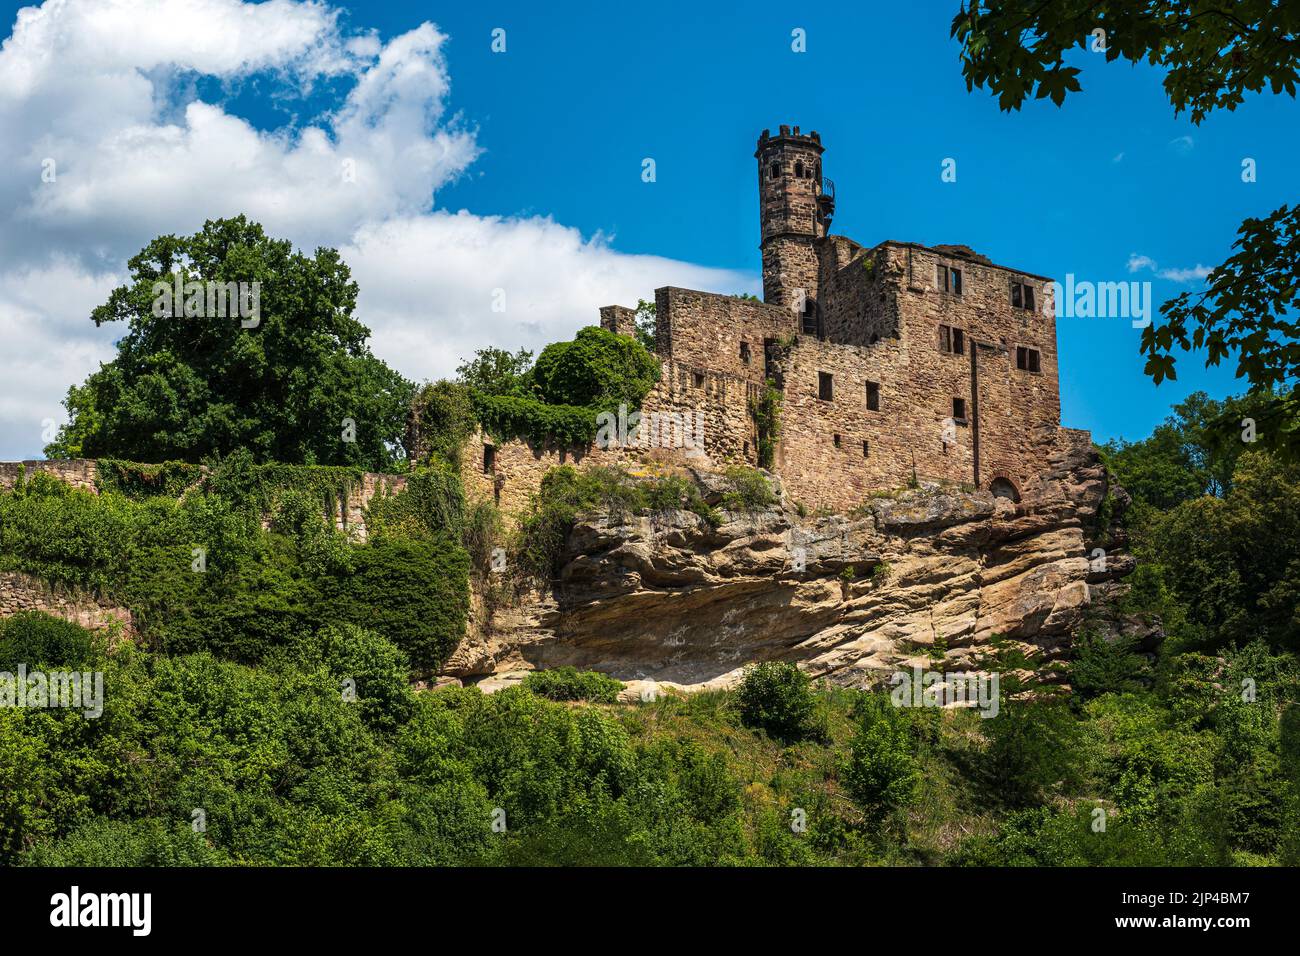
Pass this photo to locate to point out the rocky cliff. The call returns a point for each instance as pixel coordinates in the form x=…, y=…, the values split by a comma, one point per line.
x=926, y=576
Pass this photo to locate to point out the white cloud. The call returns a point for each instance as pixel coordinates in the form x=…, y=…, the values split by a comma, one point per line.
x=1137, y=262
x=1182, y=144
x=427, y=285
x=105, y=89
x=1197, y=271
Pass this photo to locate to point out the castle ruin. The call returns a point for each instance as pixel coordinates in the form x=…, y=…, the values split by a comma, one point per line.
x=894, y=364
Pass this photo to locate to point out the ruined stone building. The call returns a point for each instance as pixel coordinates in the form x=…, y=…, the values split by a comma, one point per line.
x=894, y=364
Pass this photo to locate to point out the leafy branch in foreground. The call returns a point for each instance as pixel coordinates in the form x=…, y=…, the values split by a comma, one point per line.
x=1214, y=53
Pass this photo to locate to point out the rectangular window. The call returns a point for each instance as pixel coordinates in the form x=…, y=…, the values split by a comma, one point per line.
x=744, y=352
x=1022, y=295
x=1028, y=360
x=948, y=279
x=952, y=340
x=809, y=318
x=699, y=379
x=837, y=441
x=873, y=396
x=489, y=459
x=866, y=449
x=959, y=410
x=824, y=386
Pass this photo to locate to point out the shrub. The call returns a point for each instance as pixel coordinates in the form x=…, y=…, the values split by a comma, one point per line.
x=33, y=637
x=569, y=683
x=777, y=698
x=414, y=592
x=1032, y=751
x=749, y=490
x=882, y=774
x=1100, y=666
x=118, y=843
x=378, y=669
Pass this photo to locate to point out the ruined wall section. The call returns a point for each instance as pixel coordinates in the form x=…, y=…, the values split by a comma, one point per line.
x=859, y=291
x=705, y=331
x=77, y=472
x=689, y=403
x=23, y=592
x=1012, y=404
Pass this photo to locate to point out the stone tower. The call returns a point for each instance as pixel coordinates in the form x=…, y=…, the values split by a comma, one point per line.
x=794, y=212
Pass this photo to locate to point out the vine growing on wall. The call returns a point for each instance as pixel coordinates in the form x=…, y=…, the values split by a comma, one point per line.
x=766, y=410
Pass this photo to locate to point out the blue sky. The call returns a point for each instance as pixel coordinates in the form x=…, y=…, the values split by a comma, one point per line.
x=554, y=131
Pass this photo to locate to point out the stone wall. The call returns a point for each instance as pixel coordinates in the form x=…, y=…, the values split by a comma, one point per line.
x=704, y=330
x=687, y=402
x=78, y=472
x=22, y=592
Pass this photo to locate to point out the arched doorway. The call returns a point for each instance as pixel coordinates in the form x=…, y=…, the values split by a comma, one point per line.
x=1004, y=488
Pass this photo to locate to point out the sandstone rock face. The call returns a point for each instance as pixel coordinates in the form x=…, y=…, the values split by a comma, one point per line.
x=926, y=576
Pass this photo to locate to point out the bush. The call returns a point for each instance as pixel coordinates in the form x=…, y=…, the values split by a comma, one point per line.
x=33, y=637
x=777, y=698
x=414, y=592
x=882, y=774
x=598, y=369
x=1033, y=750
x=749, y=490
x=1100, y=666
x=379, y=671
x=569, y=683
x=118, y=843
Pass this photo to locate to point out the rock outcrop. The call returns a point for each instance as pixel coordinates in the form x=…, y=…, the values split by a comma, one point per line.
x=927, y=576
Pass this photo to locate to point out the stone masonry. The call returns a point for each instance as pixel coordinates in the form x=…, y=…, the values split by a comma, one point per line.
x=895, y=364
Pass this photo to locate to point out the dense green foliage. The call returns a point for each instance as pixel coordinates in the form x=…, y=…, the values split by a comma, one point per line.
x=569, y=683
x=32, y=638
x=557, y=399
x=777, y=698
x=323, y=755
x=284, y=384
x=1214, y=526
x=201, y=573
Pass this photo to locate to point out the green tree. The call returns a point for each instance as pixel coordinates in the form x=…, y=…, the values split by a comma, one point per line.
x=881, y=774
x=598, y=369
x=284, y=384
x=1213, y=54
x=495, y=371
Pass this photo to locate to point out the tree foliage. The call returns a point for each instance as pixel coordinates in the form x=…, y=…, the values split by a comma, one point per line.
x=188, y=388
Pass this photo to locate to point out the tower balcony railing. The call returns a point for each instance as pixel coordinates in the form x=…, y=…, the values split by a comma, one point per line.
x=828, y=188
